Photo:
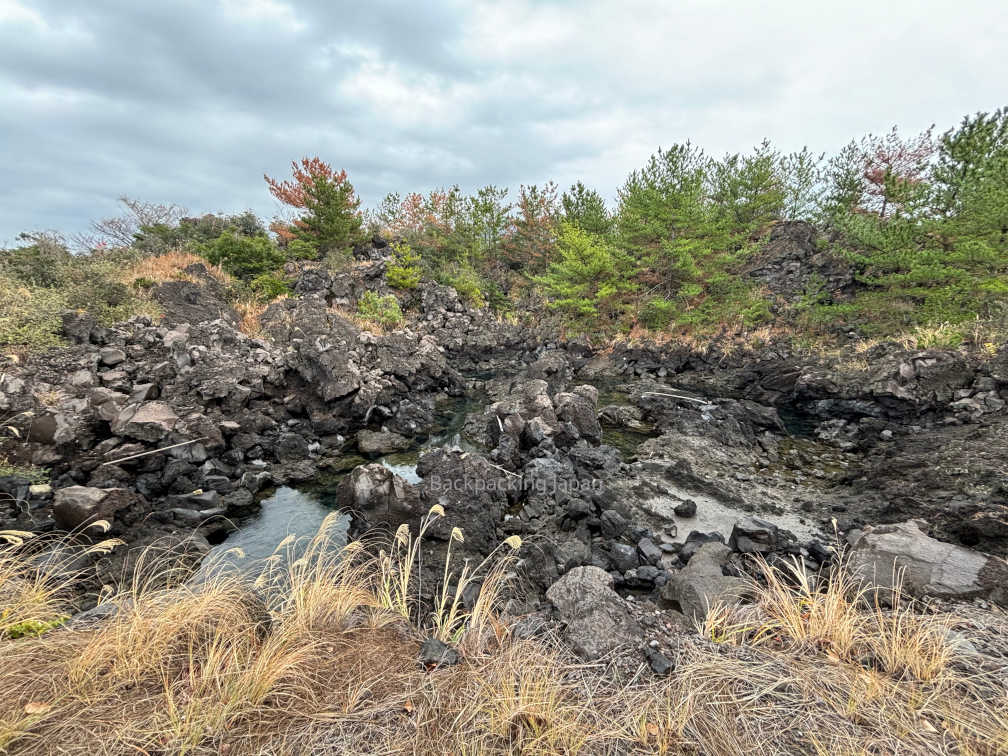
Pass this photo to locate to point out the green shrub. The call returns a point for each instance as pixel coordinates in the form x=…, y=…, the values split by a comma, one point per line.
x=301, y=249
x=657, y=313
x=33, y=628
x=268, y=286
x=45, y=262
x=403, y=270
x=466, y=282
x=383, y=310
x=144, y=284
x=338, y=260
x=243, y=256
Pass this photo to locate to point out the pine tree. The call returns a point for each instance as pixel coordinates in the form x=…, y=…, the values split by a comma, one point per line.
x=587, y=277
x=329, y=208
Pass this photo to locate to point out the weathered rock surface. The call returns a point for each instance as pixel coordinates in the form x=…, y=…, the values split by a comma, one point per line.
x=702, y=583
x=886, y=555
x=595, y=617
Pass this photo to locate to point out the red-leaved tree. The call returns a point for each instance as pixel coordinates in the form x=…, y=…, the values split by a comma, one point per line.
x=895, y=170
x=327, y=207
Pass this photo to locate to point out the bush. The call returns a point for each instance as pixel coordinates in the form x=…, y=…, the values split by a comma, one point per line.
x=269, y=286
x=383, y=310
x=466, y=282
x=45, y=262
x=404, y=270
x=243, y=256
x=657, y=313
x=301, y=249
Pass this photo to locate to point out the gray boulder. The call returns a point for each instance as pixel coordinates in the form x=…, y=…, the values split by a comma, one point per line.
x=928, y=567
x=149, y=421
x=380, y=442
x=701, y=584
x=596, y=619
x=75, y=507
x=375, y=488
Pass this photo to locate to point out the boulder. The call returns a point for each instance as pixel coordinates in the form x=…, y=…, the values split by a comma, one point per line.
x=702, y=583
x=579, y=410
x=927, y=566
x=595, y=617
x=75, y=507
x=149, y=421
x=374, y=443
x=753, y=535
x=52, y=428
x=111, y=356
x=375, y=488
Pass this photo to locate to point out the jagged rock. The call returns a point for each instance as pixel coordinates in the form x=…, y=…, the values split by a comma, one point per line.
x=375, y=488
x=52, y=428
x=76, y=506
x=596, y=619
x=381, y=442
x=579, y=410
x=701, y=583
x=753, y=536
x=111, y=356
x=188, y=302
x=291, y=447
x=149, y=421
x=928, y=567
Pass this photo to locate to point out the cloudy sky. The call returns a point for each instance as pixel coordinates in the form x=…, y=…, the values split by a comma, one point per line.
x=192, y=101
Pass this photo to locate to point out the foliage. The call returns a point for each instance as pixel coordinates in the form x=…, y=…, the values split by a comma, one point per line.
x=43, y=261
x=466, y=281
x=33, y=628
x=301, y=249
x=383, y=310
x=403, y=271
x=328, y=207
x=585, y=208
x=587, y=277
x=268, y=286
x=157, y=238
x=529, y=242
x=243, y=256
x=39, y=281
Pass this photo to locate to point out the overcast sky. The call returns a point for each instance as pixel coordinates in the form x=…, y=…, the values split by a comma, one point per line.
x=192, y=101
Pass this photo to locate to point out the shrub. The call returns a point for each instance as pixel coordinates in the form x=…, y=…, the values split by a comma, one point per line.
x=269, y=286
x=143, y=283
x=243, y=256
x=301, y=249
x=404, y=270
x=466, y=282
x=44, y=262
x=383, y=310
x=657, y=313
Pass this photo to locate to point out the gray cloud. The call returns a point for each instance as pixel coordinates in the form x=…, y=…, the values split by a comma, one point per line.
x=191, y=102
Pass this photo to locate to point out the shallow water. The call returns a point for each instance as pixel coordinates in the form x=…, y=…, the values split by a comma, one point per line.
x=286, y=512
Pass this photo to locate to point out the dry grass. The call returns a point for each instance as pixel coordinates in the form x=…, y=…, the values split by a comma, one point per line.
x=250, y=311
x=319, y=656
x=170, y=267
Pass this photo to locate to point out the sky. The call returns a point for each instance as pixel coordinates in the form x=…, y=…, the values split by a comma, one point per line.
x=192, y=102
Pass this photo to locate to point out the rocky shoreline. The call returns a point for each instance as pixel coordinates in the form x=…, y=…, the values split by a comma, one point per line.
x=639, y=478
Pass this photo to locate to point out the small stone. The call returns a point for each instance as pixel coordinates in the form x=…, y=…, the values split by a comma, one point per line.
x=661, y=665
x=687, y=509
x=434, y=654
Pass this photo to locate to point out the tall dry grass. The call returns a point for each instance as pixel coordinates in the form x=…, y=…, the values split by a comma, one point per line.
x=318, y=655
